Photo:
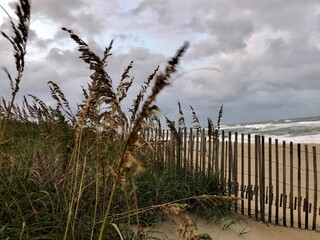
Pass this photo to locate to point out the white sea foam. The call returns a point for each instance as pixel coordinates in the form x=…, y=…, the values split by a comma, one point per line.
x=288, y=138
x=298, y=139
x=304, y=130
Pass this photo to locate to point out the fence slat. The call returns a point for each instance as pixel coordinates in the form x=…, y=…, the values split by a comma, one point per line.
x=270, y=181
x=291, y=184
x=242, y=173
x=249, y=175
x=222, y=177
x=185, y=140
x=284, y=187
x=230, y=164
x=167, y=148
x=210, y=154
x=197, y=151
x=299, y=185
x=307, y=188
x=277, y=181
x=315, y=199
x=178, y=150
x=256, y=156
x=191, y=151
x=216, y=155
x=203, y=151
x=262, y=177
x=235, y=159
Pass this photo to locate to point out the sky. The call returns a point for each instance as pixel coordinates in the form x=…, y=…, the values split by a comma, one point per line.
x=260, y=59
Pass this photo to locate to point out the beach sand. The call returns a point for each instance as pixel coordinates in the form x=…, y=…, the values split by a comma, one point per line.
x=235, y=228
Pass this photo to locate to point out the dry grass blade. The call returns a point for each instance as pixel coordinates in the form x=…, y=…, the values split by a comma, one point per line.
x=43, y=106
x=195, y=118
x=220, y=117
x=84, y=92
x=44, y=112
x=187, y=228
x=107, y=51
x=9, y=77
x=130, y=161
x=25, y=114
x=162, y=80
x=17, y=113
x=101, y=93
x=19, y=44
x=2, y=110
x=159, y=128
x=174, y=131
x=30, y=109
x=136, y=102
x=62, y=102
x=214, y=200
x=181, y=120
x=4, y=106
x=133, y=140
x=210, y=127
x=159, y=125
x=19, y=40
x=123, y=87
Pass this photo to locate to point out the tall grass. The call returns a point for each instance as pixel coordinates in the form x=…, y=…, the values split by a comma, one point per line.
x=19, y=44
x=89, y=174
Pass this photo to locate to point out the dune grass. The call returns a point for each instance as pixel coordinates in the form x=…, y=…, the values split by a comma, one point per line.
x=89, y=174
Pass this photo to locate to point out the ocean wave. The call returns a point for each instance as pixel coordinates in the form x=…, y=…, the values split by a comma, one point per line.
x=304, y=130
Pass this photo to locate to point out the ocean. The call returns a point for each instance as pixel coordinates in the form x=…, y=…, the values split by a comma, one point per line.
x=297, y=130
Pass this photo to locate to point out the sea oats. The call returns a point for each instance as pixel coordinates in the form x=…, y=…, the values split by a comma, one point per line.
x=195, y=119
x=19, y=44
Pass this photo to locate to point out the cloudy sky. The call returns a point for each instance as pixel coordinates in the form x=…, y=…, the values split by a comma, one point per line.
x=267, y=52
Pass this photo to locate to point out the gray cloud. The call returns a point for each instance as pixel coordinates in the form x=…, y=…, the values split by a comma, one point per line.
x=268, y=53
x=159, y=7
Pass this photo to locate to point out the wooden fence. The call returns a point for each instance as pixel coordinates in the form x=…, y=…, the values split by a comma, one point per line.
x=275, y=181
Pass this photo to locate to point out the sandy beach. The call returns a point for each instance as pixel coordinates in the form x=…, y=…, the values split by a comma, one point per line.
x=236, y=228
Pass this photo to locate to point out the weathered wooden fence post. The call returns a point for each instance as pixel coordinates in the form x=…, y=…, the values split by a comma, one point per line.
x=230, y=165
x=277, y=180
x=262, y=178
x=249, y=176
x=291, y=184
x=185, y=140
x=306, y=223
x=315, y=180
x=284, y=187
x=299, y=185
x=242, y=173
x=222, y=167
x=270, y=181
x=191, y=151
x=203, y=151
x=256, y=176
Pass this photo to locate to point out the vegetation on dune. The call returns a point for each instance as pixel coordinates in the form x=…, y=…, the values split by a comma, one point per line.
x=90, y=174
